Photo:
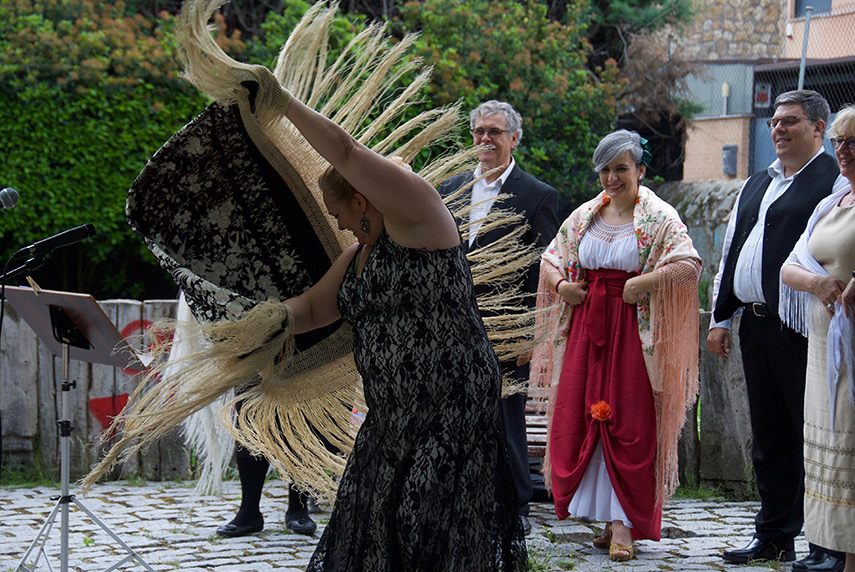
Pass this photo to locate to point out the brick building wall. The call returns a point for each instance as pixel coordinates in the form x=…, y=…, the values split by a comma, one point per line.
x=704, y=147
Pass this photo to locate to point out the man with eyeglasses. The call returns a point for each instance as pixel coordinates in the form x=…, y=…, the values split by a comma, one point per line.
x=769, y=215
x=497, y=128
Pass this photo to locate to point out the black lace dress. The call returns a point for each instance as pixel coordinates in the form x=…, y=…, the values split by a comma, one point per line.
x=427, y=486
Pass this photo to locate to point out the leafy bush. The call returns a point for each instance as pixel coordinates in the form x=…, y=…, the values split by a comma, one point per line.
x=88, y=95
x=278, y=26
x=505, y=50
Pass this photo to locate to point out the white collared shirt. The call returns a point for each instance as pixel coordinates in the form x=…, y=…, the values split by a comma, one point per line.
x=483, y=197
x=748, y=274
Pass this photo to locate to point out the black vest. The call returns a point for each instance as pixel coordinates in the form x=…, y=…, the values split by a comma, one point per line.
x=786, y=219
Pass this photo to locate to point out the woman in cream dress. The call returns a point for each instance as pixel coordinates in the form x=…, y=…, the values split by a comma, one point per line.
x=818, y=299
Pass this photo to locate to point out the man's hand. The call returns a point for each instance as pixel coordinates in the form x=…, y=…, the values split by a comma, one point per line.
x=718, y=341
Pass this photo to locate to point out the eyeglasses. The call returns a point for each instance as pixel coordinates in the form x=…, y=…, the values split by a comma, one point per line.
x=837, y=143
x=787, y=121
x=492, y=132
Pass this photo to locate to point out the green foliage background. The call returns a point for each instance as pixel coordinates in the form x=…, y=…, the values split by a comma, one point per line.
x=90, y=92
x=511, y=51
x=88, y=95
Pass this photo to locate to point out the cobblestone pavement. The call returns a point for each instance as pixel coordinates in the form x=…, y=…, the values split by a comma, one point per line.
x=172, y=528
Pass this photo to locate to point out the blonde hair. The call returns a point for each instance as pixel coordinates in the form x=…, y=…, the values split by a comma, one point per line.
x=332, y=182
x=339, y=188
x=844, y=122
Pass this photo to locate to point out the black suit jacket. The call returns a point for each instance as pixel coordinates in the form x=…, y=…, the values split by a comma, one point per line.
x=537, y=201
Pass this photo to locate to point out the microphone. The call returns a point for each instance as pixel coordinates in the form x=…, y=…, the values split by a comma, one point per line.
x=8, y=198
x=65, y=238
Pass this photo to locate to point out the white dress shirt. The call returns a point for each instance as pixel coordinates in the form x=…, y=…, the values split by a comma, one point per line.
x=483, y=197
x=747, y=276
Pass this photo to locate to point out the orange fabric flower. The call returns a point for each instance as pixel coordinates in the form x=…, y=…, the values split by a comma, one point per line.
x=601, y=411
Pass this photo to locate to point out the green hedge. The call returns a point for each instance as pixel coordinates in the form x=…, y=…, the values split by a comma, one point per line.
x=87, y=97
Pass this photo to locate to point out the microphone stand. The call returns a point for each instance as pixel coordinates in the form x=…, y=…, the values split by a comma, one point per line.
x=28, y=266
x=37, y=250
x=66, y=332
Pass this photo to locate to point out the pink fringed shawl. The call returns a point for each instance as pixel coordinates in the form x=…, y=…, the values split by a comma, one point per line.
x=667, y=319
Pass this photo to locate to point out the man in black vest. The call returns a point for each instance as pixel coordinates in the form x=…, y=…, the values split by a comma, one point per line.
x=498, y=127
x=769, y=216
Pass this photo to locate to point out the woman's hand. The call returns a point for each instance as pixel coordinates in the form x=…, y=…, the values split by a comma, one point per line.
x=631, y=290
x=847, y=298
x=574, y=293
x=828, y=290
x=638, y=285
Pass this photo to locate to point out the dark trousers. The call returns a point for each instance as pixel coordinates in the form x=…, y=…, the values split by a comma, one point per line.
x=774, y=358
x=513, y=410
x=252, y=472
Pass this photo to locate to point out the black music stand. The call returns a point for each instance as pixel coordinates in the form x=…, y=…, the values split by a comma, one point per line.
x=71, y=325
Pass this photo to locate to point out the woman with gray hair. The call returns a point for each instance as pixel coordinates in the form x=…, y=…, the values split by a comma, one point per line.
x=620, y=282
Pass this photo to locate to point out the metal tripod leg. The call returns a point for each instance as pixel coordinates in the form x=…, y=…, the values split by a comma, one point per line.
x=132, y=555
x=66, y=498
x=41, y=539
x=42, y=536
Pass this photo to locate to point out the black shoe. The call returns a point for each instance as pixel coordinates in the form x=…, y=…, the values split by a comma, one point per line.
x=301, y=524
x=526, y=524
x=818, y=561
x=761, y=550
x=250, y=527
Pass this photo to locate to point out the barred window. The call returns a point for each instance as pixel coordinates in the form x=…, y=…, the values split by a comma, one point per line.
x=819, y=6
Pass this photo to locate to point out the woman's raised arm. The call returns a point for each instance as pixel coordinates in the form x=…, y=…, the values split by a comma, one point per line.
x=412, y=209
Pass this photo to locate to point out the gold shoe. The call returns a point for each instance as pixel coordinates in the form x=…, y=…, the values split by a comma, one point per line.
x=603, y=540
x=621, y=553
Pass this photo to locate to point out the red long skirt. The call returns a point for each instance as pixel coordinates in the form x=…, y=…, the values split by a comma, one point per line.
x=603, y=362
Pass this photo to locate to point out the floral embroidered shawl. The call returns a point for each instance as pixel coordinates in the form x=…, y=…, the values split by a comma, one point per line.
x=668, y=320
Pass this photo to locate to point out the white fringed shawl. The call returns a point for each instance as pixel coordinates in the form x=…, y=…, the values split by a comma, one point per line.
x=796, y=308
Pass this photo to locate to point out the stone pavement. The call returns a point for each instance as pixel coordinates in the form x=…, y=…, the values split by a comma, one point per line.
x=172, y=528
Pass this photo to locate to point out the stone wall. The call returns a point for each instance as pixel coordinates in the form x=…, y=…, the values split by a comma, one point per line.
x=725, y=29
x=705, y=208
x=717, y=451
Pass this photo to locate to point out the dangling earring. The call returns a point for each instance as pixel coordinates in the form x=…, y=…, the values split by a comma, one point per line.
x=365, y=224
